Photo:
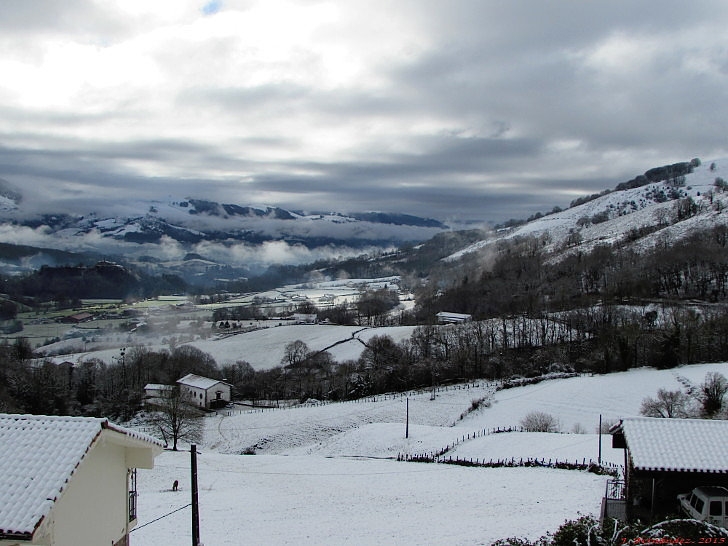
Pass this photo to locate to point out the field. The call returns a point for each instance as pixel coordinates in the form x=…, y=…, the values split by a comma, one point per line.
x=329, y=474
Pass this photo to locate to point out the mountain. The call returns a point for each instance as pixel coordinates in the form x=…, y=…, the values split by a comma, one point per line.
x=204, y=241
x=10, y=196
x=229, y=240
x=666, y=204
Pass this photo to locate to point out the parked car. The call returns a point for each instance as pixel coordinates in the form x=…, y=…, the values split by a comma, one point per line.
x=706, y=503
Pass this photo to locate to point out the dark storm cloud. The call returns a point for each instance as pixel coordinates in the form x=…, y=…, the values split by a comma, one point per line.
x=472, y=109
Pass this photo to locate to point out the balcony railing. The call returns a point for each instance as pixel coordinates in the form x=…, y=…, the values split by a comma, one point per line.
x=614, y=503
x=615, y=490
x=132, y=494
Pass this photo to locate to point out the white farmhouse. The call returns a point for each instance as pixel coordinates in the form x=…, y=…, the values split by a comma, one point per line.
x=204, y=392
x=67, y=481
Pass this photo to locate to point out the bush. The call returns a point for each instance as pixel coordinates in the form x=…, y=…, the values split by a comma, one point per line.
x=538, y=421
x=588, y=530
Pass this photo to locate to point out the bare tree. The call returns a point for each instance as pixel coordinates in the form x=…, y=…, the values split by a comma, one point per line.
x=177, y=419
x=295, y=353
x=538, y=421
x=668, y=404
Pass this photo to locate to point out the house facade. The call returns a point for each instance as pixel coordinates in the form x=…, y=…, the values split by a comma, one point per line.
x=667, y=457
x=66, y=481
x=204, y=392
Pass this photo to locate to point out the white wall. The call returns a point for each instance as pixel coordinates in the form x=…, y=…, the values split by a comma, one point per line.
x=94, y=509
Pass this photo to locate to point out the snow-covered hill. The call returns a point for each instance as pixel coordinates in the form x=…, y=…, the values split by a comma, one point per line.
x=612, y=217
x=327, y=474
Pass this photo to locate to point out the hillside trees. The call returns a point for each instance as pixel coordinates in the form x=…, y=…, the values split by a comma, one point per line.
x=373, y=305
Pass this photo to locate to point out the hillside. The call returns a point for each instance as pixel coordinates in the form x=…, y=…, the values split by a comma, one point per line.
x=334, y=464
x=618, y=215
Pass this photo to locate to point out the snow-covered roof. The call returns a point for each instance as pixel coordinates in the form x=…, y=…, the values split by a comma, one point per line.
x=38, y=456
x=455, y=317
x=157, y=387
x=679, y=445
x=198, y=381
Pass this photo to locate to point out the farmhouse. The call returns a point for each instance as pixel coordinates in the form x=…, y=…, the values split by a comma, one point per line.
x=204, y=392
x=69, y=480
x=445, y=317
x=666, y=457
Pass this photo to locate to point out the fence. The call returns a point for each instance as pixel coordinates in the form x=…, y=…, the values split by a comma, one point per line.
x=287, y=404
x=590, y=465
x=439, y=457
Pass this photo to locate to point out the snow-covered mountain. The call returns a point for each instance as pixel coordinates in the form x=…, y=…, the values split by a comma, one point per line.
x=196, y=236
x=655, y=212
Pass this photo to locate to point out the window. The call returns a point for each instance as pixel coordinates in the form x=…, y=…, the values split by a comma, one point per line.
x=716, y=508
x=699, y=503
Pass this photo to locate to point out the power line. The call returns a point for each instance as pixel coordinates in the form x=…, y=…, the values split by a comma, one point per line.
x=160, y=517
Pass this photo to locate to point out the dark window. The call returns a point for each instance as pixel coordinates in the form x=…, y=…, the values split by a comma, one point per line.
x=716, y=508
x=699, y=503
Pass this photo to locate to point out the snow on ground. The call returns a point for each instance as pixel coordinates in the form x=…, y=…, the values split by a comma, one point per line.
x=542, y=446
x=581, y=400
x=279, y=430
x=280, y=500
x=263, y=348
x=328, y=474
x=636, y=210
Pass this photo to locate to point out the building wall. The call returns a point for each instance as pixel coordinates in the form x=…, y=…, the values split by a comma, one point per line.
x=94, y=507
x=203, y=398
x=197, y=395
x=219, y=387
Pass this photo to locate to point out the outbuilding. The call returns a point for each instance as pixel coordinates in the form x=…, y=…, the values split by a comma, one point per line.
x=665, y=458
x=446, y=317
x=66, y=481
x=204, y=392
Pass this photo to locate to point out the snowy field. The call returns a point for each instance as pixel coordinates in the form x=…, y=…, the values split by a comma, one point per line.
x=328, y=474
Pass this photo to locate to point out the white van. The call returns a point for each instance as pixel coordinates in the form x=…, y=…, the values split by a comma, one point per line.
x=707, y=503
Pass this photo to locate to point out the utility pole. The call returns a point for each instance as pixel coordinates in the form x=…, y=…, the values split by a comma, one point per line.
x=406, y=430
x=195, y=506
x=600, y=440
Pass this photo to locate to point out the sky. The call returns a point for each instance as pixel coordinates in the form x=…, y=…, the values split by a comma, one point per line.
x=471, y=110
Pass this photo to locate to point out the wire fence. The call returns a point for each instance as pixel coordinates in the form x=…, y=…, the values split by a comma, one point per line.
x=439, y=456
x=269, y=405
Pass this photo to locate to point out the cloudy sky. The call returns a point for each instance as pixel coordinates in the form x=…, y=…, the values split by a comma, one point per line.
x=465, y=109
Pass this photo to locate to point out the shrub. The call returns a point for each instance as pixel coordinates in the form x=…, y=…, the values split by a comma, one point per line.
x=538, y=421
